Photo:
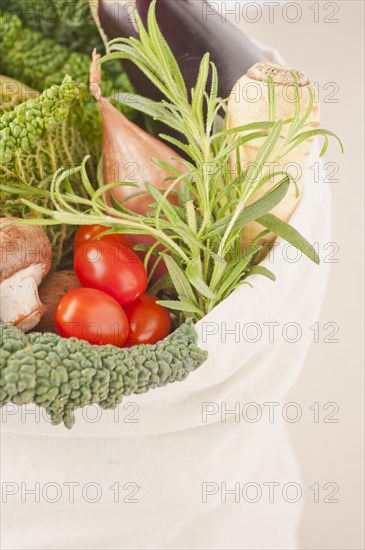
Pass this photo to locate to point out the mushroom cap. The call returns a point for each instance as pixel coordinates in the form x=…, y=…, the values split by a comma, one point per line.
x=22, y=246
x=52, y=289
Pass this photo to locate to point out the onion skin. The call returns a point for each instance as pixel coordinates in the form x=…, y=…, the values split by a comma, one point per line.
x=191, y=29
x=127, y=153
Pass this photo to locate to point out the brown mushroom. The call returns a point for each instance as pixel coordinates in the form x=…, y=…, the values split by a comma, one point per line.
x=54, y=286
x=25, y=259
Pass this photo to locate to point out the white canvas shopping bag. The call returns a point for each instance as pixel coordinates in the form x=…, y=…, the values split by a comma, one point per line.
x=191, y=465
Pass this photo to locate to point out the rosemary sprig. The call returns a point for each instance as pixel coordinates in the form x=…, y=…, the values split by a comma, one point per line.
x=201, y=235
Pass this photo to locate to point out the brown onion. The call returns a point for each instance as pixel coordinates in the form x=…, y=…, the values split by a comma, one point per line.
x=127, y=152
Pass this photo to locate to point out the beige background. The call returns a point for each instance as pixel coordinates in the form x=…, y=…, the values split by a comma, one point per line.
x=332, y=452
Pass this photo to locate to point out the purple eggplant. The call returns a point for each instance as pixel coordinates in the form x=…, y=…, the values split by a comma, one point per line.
x=191, y=28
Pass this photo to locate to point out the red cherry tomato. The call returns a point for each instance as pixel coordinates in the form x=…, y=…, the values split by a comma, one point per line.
x=87, y=233
x=91, y=315
x=148, y=322
x=112, y=268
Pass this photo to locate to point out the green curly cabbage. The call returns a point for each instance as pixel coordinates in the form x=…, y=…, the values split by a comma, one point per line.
x=12, y=93
x=37, y=137
x=37, y=143
x=63, y=375
x=68, y=22
x=22, y=127
x=40, y=62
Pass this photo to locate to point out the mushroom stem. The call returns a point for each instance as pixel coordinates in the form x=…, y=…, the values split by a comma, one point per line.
x=20, y=303
x=25, y=258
